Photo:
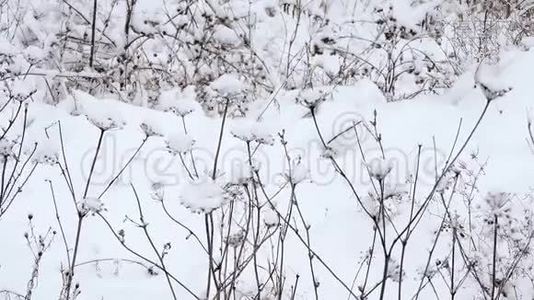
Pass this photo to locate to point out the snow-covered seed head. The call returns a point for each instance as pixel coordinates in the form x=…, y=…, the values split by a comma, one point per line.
x=179, y=143
x=393, y=270
x=34, y=54
x=176, y=110
x=328, y=153
x=371, y=205
x=202, y=195
x=312, y=97
x=6, y=148
x=228, y=85
x=149, y=130
x=270, y=218
x=178, y=102
x=380, y=168
x=21, y=90
x=106, y=122
x=298, y=173
x=490, y=93
x=90, y=205
x=497, y=203
x=46, y=153
x=235, y=239
x=251, y=131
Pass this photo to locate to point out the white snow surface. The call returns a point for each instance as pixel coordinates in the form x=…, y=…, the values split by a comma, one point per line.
x=340, y=233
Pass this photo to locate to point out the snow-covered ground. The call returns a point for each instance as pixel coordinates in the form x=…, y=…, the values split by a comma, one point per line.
x=340, y=234
x=303, y=173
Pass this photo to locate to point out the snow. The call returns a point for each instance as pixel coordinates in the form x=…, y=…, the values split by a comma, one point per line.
x=203, y=195
x=47, y=152
x=270, y=218
x=194, y=176
x=380, y=168
x=298, y=173
x=252, y=131
x=180, y=143
x=228, y=85
x=178, y=102
x=225, y=35
x=150, y=128
x=90, y=205
x=6, y=147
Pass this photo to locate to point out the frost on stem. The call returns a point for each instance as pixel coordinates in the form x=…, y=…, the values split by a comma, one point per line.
x=201, y=195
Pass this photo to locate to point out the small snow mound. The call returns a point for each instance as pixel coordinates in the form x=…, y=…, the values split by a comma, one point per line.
x=179, y=143
x=329, y=63
x=225, y=35
x=202, y=195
